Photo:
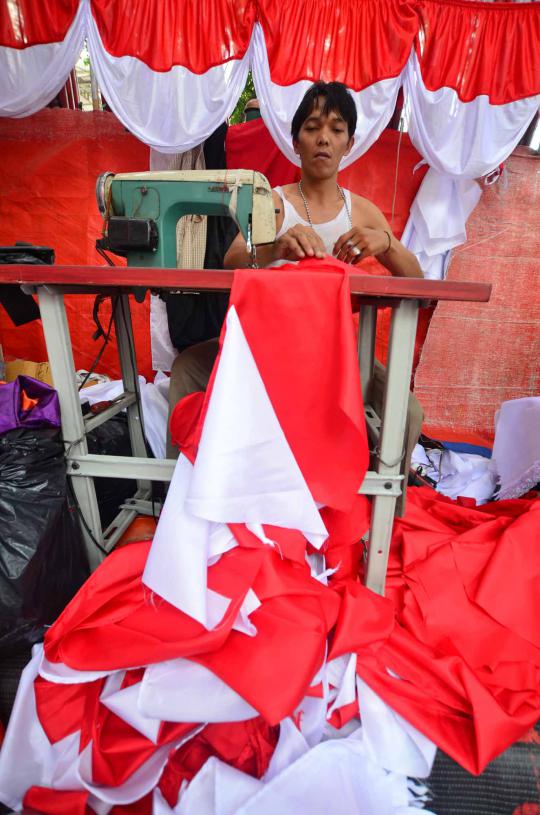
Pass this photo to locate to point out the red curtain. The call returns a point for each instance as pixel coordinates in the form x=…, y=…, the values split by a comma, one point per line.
x=27, y=22
x=480, y=48
x=357, y=42
x=197, y=34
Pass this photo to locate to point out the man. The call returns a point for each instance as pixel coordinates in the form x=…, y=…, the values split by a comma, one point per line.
x=314, y=218
x=308, y=213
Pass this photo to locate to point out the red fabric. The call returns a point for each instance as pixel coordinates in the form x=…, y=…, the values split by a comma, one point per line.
x=24, y=22
x=343, y=549
x=296, y=614
x=324, y=426
x=480, y=49
x=95, y=631
x=250, y=146
x=141, y=807
x=248, y=746
x=455, y=632
x=119, y=750
x=60, y=708
x=357, y=43
x=196, y=34
x=47, y=801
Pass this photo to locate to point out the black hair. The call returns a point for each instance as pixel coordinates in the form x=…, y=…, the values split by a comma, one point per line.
x=337, y=99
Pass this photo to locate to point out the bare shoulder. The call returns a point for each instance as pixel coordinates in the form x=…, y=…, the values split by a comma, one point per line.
x=278, y=207
x=365, y=212
x=290, y=191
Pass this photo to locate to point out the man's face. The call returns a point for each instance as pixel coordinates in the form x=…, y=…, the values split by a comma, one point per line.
x=322, y=142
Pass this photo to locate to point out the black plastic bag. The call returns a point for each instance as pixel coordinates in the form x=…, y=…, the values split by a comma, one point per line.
x=43, y=560
x=111, y=439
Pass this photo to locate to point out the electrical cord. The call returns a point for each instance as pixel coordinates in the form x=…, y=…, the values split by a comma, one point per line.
x=83, y=519
x=106, y=338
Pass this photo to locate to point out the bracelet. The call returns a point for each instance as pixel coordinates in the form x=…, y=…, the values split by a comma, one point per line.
x=389, y=236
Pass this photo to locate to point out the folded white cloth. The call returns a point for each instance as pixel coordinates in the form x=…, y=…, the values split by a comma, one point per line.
x=457, y=474
x=516, y=451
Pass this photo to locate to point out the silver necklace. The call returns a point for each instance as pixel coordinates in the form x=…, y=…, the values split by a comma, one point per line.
x=303, y=197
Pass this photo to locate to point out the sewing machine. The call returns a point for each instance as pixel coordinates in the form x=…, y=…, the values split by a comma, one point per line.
x=141, y=210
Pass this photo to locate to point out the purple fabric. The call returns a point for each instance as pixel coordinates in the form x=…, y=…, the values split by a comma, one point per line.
x=45, y=414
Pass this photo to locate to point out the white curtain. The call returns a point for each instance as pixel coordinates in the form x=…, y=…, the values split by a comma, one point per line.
x=31, y=77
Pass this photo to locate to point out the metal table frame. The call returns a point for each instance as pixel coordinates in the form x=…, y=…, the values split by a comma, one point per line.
x=384, y=481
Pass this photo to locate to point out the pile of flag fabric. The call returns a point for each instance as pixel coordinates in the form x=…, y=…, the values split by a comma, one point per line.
x=237, y=663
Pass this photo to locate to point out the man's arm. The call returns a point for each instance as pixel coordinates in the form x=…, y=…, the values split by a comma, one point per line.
x=297, y=243
x=373, y=237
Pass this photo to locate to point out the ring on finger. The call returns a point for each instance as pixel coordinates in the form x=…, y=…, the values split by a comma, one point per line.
x=356, y=251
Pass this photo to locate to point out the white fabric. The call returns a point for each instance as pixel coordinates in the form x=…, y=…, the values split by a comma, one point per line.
x=154, y=105
x=245, y=471
x=390, y=741
x=291, y=745
x=180, y=690
x=28, y=758
x=124, y=703
x=217, y=788
x=163, y=351
x=336, y=776
x=105, y=391
x=437, y=220
x=64, y=675
x=182, y=542
x=460, y=141
x=457, y=474
x=31, y=77
x=342, y=675
x=154, y=403
x=516, y=450
x=155, y=408
x=278, y=103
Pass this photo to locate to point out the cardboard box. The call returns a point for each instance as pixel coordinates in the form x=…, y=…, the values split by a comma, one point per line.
x=23, y=367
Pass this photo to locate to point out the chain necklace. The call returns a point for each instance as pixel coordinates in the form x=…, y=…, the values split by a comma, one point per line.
x=303, y=197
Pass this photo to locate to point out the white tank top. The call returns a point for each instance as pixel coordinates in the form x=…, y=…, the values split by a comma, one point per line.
x=328, y=231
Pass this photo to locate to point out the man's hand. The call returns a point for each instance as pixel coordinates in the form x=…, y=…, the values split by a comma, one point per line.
x=361, y=242
x=299, y=242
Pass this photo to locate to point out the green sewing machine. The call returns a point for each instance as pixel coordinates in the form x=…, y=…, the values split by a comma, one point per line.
x=141, y=210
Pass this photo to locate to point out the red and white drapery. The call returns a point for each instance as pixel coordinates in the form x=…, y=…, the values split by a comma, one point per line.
x=471, y=86
x=172, y=72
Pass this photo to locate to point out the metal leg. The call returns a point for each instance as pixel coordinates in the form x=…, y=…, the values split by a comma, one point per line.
x=58, y=340
x=392, y=440
x=366, y=347
x=130, y=378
